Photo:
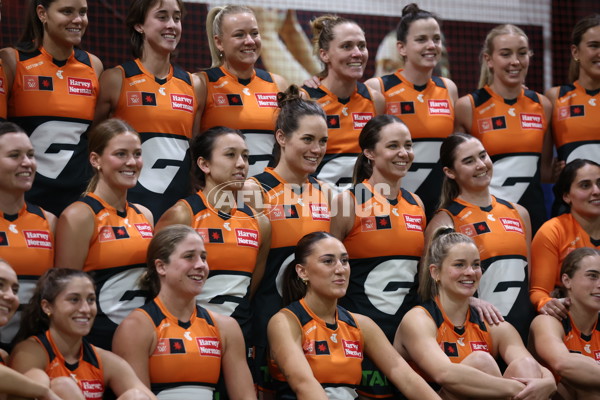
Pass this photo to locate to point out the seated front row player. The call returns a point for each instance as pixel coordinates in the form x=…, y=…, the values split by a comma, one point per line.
x=452, y=345
x=317, y=347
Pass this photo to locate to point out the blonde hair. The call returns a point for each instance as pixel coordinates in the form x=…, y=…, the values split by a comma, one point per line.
x=486, y=75
x=214, y=24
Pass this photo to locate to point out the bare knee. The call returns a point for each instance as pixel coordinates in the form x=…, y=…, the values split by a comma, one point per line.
x=525, y=367
x=134, y=394
x=66, y=388
x=483, y=361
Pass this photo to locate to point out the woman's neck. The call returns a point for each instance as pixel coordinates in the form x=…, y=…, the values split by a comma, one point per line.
x=57, y=52
x=585, y=319
x=481, y=198
x=587, y=82
x=342, y=88
x=11, y=203
x=456, y=309
x=590, y=225
x=180, y=306
x=387, y=188
x=506, y=92
x=289, y=174
x=158, y=65
x=323, y=308
x=416, y=76
x=69, y=346
x=242, y=71
x=116, y=198
x=220, y=199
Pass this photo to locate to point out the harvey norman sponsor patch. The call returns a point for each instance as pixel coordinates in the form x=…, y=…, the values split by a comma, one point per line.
x=37, y=239
x=266, y=99
x=531, y=121
x=438, y=107
x=352, y=348
x=246, y=237
x=512, y=225
x=209, y=346
x=80, y=86
x=361, y=119
x=182, y=102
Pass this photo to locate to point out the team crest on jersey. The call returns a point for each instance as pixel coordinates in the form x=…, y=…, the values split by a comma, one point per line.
x=37, y=239
x=319, y=211
x=316, y=347
x=211, y=235
x=450, y=349
x=135, y=99
x=109, y=233
x=145, y=230
x=407, y=107
x=361, y=119
x=169, y=346
x=80, y=86
x=209, y=346
x=91, y=388
x=234, y=100
x=36, y=83
x=352, y=349
x=413, y=222
x=333, y=122
x=247, y=237
x=491, y=124
x=439, y=107
x=266, y=99
x=475, y=229
x=182, y=102
x=512, y=225
x=283, y=212
x=479, y=346
x=392, y=108
x=3, y=239
x=531, y=121
x=368, y=224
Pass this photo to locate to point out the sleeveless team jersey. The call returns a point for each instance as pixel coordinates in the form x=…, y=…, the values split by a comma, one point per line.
x=293, y=214
x=87, y=371
x=551, y=244
x=456, y=342
x=116, y=259
x=54, y=102
x=429, y=114
x=512, y=132
x=162, y=111
x=575, y=123
x=27, y=244
x=577, y=342
x=333, y=351
x=232, y=241
x=499, y=233
x=249, y=105
x=3, y=94
x=345, y=120
x=384, y=245
x=186, y=362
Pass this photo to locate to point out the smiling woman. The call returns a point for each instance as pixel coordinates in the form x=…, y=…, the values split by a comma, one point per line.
x=103, y=233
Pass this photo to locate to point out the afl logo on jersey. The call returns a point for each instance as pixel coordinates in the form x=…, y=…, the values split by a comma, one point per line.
x=491, y=124
x=35, y=83
x=135, y=99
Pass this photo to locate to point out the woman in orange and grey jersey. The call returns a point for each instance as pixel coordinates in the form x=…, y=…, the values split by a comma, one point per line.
x=571, y=346
x=349, y=104
x=52, y=342
x=500, y=229
x=510, y=121
x=578, y=190
x=317, y=346
x=295, y=202
x=575, y=121
x=372, y=218
x=176, y=347
x=424, y=102
x=236, y=91
x=236, y=237
x=103, y=233
x=53, y=88
x=26, y=230
x=158, y=99
x=451, y=344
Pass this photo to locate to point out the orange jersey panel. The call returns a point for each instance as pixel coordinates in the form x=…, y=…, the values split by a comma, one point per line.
x=186, y=353
x=3, y=94
x=575, y=123
x=579, y=343
x=87, y=372
x=555, y=239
